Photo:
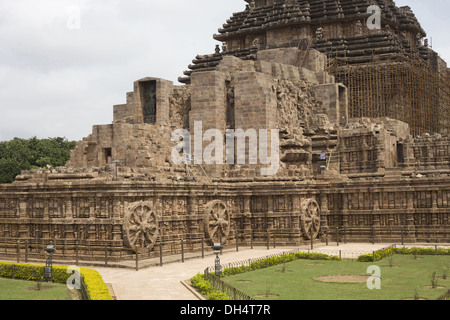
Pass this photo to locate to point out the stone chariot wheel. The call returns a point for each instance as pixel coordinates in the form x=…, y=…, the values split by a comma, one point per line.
x=310, y=219
x=140, y=226
x=217, y=221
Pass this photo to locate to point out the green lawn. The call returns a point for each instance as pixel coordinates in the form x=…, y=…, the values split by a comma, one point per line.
x=26, y=290
x=298, y=283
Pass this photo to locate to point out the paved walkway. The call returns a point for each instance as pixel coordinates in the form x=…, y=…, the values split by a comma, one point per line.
x=165, y=283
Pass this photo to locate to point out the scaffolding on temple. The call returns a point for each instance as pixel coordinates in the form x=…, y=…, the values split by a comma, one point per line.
x=407, y=89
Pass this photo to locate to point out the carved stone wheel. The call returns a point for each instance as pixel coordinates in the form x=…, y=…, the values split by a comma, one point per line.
x=217, y=221
x=310, y=218
x=140, y=226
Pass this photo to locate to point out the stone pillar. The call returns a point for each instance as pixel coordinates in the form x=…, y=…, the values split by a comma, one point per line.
x=345, y=210
x=45, y=204
x=323, y=203
x=410, y=226
x=269, y=215
x=255, y=108
x=192, y=209
x=247, y=215
x=255, y=101
x=208, y=111
x=335, y=101
x=164, y=89
x=434, y=205
x=22, y=207
x=68, y=208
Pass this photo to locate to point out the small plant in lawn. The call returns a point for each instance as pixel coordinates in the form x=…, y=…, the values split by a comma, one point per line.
x=391, y=260
x=268, y=288
x=444, y=271
x=416, y=293
x=434, y=281
x=38, y=281
x=415, y=252
x=38, y=284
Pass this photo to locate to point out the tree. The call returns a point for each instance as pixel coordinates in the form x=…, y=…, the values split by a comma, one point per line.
x=9, y=169
x=25, y=154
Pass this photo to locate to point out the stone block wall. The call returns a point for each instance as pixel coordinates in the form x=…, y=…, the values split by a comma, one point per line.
x=132, y=112
x=335, y=101
x=432, y=152
x=391, y=209
x=255, y=101
x=208, y=101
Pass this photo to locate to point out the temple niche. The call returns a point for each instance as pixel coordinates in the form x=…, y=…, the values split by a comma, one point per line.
x=361, y=121
x=148, y=90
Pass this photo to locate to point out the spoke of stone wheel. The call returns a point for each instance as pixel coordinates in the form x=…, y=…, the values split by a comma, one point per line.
x=132, y=218
x=134, y=228
x=133, y=235
x=146, y=216
x=140, y=212
x=214, y=215
x=222, y=212
x=213, y=231
x=308, y=226
x=213, y=223
x=148, y=238
x=151, y=219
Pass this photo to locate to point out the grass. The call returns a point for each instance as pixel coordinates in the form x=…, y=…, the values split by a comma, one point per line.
x=26, y=290
x=403, y=277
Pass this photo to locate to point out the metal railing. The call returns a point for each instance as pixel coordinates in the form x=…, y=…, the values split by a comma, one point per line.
x=110, y=251
x=83, y=290
x=226, y=288
x=377, y=234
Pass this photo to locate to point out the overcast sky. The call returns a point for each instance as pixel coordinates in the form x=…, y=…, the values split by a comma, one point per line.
x=61, y=70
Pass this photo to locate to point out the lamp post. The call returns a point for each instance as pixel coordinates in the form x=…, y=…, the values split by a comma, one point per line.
x=217, y=267
x=48, y=271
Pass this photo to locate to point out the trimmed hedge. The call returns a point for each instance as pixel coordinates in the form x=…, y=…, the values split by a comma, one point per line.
x=93, y=281
x=274, y=261
x=423, y=251
x=206, y=289
x=381, y=254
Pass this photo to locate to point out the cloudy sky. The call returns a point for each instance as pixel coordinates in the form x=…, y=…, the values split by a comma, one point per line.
x=65, y=63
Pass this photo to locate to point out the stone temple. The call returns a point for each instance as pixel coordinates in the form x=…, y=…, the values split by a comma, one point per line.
x=363, y=154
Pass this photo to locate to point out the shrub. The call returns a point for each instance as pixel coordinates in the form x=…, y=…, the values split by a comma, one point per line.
x=422, y=251
x=277, y=260
x=381, y=254
x=444, y=271
x=206, y=289
x=434, y=281
x=95, y=285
